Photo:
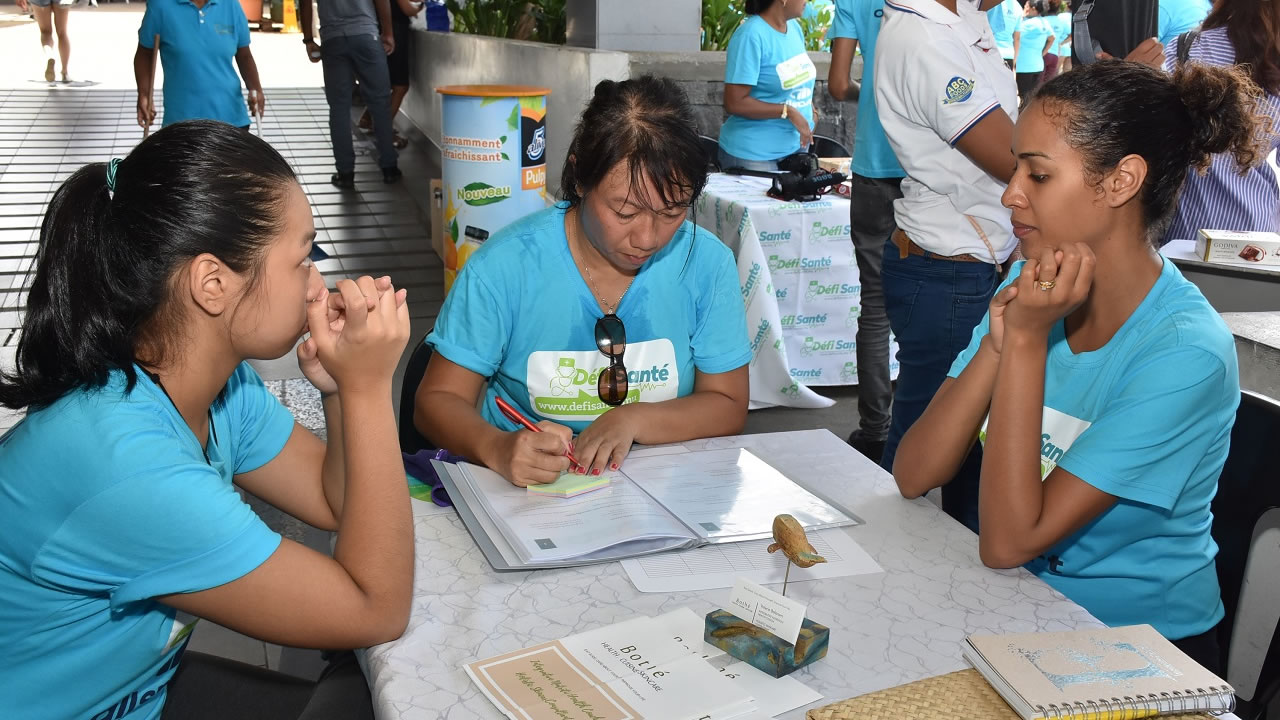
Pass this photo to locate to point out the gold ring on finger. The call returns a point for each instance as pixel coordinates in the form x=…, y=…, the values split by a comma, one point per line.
x=1047, y=285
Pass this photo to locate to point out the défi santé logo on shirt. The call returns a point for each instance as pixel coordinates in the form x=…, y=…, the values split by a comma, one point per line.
x=957, y=91
x=479, y=193
x=834, y=291
x=783, y=263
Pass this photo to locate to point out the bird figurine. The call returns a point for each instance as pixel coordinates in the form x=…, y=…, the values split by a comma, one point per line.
x=789, y=537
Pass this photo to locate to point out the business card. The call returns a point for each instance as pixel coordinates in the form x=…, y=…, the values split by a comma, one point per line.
x=767, y=610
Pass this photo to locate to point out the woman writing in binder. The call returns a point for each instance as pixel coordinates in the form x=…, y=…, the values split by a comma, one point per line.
x=1101, y=383
x=609, y=314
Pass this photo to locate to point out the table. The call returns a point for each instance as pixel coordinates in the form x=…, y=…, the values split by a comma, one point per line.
x=904, y=624
x=799, y=283
x=1229, y=287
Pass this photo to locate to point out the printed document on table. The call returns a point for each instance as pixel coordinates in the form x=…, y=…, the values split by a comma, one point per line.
x=719, y=566
x=730, y=495
x=547, y=529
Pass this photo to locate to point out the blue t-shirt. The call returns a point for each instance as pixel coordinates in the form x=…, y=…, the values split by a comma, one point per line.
x=778, y=70
x=197, y=50
x=1004, y=19
x=872, y=155
x=1179, y=16
x=521, y=314
x=1146, y=418
x=1061, y=26
x=108, y=502
x=1033, y=32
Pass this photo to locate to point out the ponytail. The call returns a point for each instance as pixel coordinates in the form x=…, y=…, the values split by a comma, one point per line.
x=1109, y=110
x=102, y=281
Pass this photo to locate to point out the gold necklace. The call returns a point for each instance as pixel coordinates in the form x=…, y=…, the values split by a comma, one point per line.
x=609, y=309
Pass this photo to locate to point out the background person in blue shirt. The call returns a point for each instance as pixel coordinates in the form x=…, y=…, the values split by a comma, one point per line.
x=877, y=181
x=1107, y=382
x=1179, y=16
x=1004, y=19
x=157, y=277
x=768, y=90
x=198, y=40
x=1061, y=24
x=616, y=266
x=1032, y=40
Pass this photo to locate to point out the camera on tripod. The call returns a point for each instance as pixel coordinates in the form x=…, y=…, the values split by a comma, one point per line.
x=799, y=178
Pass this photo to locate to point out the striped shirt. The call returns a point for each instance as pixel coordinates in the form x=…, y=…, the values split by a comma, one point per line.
x=1222, y=199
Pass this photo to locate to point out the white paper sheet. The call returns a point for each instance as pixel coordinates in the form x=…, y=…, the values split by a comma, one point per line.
x=719, y=566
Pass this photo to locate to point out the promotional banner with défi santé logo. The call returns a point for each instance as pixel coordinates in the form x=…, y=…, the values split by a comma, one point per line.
x=800, y=284
x=494, y=150
x=562, y=384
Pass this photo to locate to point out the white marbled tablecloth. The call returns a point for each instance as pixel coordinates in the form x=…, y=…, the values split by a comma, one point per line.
x=902, y=625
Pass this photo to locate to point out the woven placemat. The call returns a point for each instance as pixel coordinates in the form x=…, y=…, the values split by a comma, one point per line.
x=961, y=695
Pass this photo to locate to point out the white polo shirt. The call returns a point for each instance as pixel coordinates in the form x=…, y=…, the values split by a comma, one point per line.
x=937, y=75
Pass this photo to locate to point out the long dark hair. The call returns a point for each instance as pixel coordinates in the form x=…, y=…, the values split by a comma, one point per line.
x=1113, y=108
x=104, y=268
x=646, y=122
x=755, y=7
x=1252, y=28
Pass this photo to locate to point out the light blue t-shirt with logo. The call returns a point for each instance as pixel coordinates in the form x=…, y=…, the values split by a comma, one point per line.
x=522, y=315
x=1003, y=19
x=197, y=49
x=108, y=502
x=1146, y=418
x=1032, y=34
x=872, y=155
x=778, y=70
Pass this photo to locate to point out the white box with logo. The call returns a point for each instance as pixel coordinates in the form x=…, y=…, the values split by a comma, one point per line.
x=1237, y=247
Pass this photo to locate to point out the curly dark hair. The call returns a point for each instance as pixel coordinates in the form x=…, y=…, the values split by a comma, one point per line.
x=1252, y=28
x=1112, y=109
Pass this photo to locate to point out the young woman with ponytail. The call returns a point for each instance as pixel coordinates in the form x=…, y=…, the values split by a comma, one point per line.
x=157, y=277
x=1101, y=382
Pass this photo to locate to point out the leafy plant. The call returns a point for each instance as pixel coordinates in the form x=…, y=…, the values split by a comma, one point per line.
x=542, y=20
x=815, y=28
x=551, y=21
x=719, y=19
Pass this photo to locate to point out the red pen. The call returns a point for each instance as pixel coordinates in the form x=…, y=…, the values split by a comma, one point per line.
x=515, y=417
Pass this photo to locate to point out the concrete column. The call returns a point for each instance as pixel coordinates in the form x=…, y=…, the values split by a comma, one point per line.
x=635, y=25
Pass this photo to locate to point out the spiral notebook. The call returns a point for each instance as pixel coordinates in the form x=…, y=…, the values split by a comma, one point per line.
x=1106, y=674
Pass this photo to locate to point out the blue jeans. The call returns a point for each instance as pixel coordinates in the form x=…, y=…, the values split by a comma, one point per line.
x=344, y=59
x=933, y=306
x=728, y=161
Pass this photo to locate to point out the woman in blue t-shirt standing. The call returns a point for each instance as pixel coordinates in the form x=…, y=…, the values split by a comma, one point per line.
x=1101, y=383
x=1032, y=40
x=768, y=88
x=158, y=277
x=610, y=315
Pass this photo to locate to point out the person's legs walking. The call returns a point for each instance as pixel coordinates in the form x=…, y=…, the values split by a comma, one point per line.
x=60, y=16
x=339, y=82
x=871, y=225
x=44, y=21
x=369, y=62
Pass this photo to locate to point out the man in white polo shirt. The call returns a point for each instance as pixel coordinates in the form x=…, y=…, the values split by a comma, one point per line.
x=947, y=103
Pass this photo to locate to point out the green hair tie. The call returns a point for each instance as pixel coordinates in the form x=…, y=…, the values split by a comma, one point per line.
x=112, y=168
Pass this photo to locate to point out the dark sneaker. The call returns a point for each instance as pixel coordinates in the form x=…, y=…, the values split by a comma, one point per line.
x=873, y=449
x=391, y=175
x=346, y=181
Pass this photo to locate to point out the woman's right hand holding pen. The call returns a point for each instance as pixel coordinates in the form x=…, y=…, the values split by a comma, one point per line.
x=527, y=458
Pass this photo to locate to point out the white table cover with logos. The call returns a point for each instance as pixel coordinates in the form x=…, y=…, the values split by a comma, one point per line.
x=800, y=285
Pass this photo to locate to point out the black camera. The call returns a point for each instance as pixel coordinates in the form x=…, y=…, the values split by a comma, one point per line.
x=799, y=178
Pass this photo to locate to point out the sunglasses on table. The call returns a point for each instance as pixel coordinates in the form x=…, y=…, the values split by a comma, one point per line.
x=611, y=338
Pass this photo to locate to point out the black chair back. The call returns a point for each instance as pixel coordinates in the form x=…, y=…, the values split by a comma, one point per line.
x=711, y=147
x=411, y=441
x=827, y=147
x=1247, y=488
